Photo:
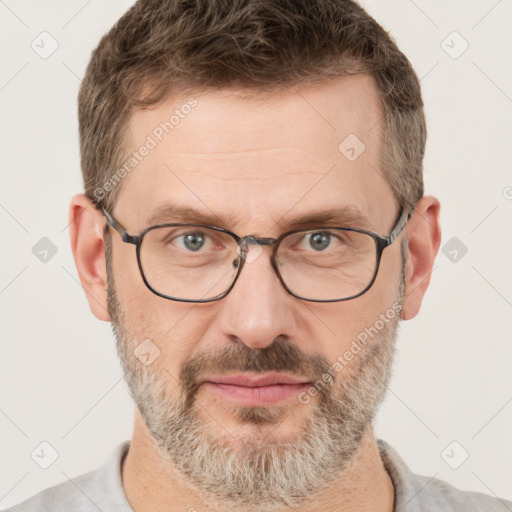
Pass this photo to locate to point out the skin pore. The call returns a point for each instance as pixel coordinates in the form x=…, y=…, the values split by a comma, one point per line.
x=261, y=162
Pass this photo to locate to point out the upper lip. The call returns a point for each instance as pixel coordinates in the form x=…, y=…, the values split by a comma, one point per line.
x=252, y=382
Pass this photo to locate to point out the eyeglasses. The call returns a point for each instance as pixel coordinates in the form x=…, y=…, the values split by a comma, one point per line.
x=197, y=263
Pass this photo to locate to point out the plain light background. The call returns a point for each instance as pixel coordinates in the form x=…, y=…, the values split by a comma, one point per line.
x=60, y=380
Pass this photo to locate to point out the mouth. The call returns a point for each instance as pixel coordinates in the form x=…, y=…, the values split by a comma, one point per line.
x=256, y=390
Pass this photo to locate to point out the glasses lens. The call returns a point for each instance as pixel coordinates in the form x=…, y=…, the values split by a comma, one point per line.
x=329, y=264
x=189, y=262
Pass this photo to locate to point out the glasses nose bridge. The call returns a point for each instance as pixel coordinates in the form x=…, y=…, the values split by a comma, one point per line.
x=245, y=241
x=244, y=257
x=255, y=240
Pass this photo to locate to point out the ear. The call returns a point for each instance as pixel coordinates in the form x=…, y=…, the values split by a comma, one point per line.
x=86, y=224
x=424, y=237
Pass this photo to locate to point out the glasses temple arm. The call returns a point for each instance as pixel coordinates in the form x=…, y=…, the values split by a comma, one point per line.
x=118, y=227
x=399, y=226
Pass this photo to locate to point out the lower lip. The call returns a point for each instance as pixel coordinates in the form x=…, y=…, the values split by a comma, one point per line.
x=257, y=396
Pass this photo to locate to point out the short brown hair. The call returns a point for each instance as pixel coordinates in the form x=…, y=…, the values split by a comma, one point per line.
x=163, y=46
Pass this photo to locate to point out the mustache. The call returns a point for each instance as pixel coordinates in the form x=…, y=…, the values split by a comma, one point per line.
x=280, y=356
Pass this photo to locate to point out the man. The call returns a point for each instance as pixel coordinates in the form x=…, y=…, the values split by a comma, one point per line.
x=254, y=226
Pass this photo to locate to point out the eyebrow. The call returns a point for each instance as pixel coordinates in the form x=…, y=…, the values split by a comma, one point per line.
x=346, y=216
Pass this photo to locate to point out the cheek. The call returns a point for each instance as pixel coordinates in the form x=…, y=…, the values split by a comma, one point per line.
x=344, y=321
x=171, y=331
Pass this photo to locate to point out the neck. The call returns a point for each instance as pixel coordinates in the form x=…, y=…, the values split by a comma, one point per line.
x=151, y=485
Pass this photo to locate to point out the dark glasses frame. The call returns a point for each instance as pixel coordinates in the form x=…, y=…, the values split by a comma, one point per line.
x=381, y=242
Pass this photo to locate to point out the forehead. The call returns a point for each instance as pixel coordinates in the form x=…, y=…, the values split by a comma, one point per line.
x=257, y=158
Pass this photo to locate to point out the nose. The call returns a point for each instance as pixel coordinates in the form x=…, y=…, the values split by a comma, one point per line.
x=258, y=309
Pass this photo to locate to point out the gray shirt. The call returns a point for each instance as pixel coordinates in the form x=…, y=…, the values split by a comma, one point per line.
x=102, y=490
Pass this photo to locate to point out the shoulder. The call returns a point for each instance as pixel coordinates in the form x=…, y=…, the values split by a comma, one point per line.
x=439, y=495
x=64, y=497
x=100, y=489
x=417, y=493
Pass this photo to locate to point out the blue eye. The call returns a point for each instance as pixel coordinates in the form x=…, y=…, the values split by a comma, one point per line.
x=319, y=241
x=193, y=241
x=190, y=241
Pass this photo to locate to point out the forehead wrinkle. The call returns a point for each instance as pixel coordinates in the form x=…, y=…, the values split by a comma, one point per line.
x=274, y=176
x=208, y=154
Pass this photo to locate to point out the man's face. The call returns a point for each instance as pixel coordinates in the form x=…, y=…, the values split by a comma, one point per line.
x=261, y=162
